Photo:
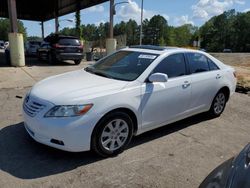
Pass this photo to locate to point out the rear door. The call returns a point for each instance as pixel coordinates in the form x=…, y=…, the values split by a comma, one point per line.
x=205, y=79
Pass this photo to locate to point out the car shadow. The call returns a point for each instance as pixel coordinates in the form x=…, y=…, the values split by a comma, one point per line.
x=24, y=158
x=33, y=61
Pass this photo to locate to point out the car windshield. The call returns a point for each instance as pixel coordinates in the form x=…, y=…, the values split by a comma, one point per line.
x=123, y=65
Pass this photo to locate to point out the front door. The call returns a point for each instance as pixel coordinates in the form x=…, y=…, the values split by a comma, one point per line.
x=165, y=102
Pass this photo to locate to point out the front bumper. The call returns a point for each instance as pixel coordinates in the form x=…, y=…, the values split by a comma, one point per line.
x=73, y=132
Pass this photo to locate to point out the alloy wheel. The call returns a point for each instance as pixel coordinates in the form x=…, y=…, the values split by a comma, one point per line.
x=114, y=134
x=219, y=103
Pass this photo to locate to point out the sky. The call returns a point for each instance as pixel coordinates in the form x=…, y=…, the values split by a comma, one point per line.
x=177, y=12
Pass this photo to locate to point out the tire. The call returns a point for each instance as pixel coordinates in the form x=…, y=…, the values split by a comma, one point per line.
x=52, y=59
x=112, y=134
x=218, y=104
x=77, y=62
x=39, y=56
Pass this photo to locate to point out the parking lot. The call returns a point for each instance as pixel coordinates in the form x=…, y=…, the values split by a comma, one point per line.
x=177, y=155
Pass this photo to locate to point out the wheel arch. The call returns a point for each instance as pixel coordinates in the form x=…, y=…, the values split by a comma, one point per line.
x=226, y=90
x=121, y=109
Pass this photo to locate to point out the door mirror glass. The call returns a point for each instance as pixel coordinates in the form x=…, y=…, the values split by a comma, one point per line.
x=158, y=77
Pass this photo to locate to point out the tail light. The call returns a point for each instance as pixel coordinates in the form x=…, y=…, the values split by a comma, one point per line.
x=57, y=45
x=80, y=47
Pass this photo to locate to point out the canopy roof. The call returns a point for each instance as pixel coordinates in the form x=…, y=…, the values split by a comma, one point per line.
x=43, y=10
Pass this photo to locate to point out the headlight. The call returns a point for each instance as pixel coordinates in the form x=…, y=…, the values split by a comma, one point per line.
x=68, y=110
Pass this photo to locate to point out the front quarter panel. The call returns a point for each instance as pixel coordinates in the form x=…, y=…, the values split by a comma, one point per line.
x=129, y=97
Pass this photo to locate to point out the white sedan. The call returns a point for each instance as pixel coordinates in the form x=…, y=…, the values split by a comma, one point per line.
x=132, y=91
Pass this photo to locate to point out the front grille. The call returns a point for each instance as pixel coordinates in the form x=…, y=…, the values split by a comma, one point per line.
x=31, y=107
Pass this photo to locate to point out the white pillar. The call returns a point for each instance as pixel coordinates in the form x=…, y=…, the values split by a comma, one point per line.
x=16, y=49
x=110, y=45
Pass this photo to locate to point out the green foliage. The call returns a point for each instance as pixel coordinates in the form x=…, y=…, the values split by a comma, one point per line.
x=5, y=29
x=183, y=35
x=34, y=38
x=156, y=31
x=78, y=29
x=228, y=30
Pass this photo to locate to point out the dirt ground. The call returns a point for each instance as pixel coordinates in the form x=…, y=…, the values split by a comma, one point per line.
x=175, y=156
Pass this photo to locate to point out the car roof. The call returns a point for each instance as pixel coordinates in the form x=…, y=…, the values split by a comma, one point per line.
x=152, y=47
x=55, y=37
x=158, y=49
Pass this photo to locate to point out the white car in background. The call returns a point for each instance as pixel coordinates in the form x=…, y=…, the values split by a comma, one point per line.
x=6, y=44
x=125, y=94
x=1, y=44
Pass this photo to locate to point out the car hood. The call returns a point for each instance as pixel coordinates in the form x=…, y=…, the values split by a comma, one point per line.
x=233, y=173
x=72, y=87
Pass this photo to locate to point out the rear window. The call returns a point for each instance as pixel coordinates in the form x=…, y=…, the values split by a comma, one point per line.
x=69, y=42
x=197, y=63
x=35, y=43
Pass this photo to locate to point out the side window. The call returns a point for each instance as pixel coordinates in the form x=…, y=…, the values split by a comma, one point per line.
x=173, y=66
x=212, y=65
x=197, y=63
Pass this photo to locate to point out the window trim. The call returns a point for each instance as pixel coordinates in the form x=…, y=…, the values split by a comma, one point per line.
x=185, y=61
x=187, y=53
x=218, y=68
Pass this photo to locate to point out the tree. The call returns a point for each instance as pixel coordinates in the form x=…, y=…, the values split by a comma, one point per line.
x=68, y=31
x=155, y=30
x=228, y=30
x=78, y=28
x=131, y=32
x=183, y=35
x=34, y=38
x=5, y=29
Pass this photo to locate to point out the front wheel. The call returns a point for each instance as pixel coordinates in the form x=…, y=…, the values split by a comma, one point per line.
x=112, y=134
x=218, y=104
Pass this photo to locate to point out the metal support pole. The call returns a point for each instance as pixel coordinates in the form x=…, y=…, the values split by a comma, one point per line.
x=141, y=22
x=42, y=27
x=56, y=24
x=111, y=22
x=12, y=16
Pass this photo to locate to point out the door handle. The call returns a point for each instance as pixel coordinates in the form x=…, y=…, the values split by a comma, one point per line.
x=186, y=84
x=218, y=76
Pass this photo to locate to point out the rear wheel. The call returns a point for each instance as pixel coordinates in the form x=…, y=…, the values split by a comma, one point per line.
x=39, y=56
x=52, y=59
x=112, y=134
x=218, y=104
x=77, y=62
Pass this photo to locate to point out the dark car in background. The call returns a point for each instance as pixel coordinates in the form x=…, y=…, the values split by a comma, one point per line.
x=234, y=173
x=227, y=50
x=59, y=48
x=31, y=47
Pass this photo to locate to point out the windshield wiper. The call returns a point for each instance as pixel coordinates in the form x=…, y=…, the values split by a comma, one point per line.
x=93, y=71
x=102, y=74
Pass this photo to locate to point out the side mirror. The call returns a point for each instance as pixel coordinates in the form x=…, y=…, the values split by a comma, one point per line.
x=158, y=77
